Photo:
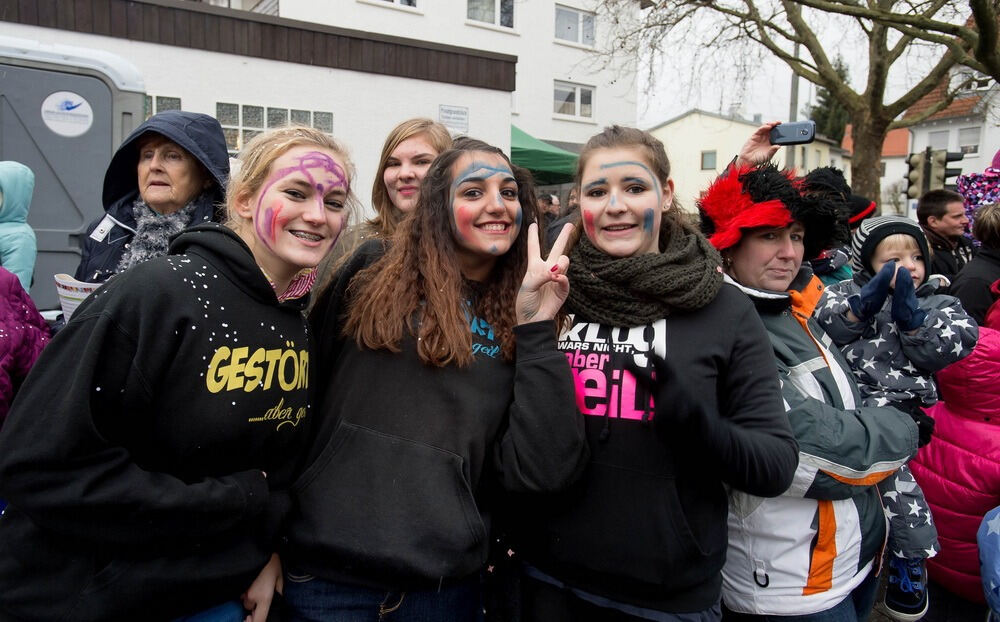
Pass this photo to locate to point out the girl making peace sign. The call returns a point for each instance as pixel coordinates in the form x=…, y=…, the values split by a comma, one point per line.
x=441, y=379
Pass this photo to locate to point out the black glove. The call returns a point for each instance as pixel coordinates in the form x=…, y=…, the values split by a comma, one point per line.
x=925, y=423
x=678, y=413
x=905, y=309
x=867, y=303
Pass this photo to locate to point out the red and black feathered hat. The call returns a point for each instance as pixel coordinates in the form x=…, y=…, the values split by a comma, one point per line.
x=745, y=197
x=749, y=197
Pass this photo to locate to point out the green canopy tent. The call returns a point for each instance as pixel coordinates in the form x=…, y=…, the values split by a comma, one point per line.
x=549, y=164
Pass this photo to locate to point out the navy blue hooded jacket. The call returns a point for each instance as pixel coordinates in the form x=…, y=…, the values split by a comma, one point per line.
x=108, y=236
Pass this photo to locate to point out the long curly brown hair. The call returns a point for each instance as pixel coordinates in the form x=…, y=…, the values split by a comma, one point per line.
x=418, y=287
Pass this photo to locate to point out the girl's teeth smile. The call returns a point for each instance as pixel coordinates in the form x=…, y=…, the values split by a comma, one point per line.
x=493, y=227
x=305, y=235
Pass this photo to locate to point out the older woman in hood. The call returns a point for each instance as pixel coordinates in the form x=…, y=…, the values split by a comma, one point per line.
x=170, y=173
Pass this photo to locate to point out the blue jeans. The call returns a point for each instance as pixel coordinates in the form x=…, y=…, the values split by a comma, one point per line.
x=855, y=608
x=311, y=599
x=231, y=611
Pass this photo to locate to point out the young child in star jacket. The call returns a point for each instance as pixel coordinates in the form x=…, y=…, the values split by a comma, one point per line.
x=896, y=331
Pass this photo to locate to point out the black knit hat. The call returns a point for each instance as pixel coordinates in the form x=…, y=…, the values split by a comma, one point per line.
x=861, y=208
x=823, y=209
x=874, y=230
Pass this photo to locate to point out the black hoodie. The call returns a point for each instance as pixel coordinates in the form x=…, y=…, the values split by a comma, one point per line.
x=133, y=456
x=396, y=494
x=108, y=236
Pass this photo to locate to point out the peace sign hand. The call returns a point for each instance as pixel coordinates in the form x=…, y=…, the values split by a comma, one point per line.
x=545, y=286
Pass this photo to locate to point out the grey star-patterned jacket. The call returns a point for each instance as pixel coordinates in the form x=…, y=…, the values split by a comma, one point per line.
x=891, y=366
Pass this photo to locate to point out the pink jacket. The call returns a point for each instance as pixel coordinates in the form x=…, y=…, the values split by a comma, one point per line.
x=959, y=470
x=23, y=334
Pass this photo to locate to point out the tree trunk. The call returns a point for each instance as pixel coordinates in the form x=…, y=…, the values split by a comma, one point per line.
x=866, y=163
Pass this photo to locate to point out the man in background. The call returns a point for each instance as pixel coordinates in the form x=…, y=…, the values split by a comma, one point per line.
x=942, y=216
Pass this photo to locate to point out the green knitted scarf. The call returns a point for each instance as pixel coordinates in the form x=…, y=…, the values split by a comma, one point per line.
x=631, y=291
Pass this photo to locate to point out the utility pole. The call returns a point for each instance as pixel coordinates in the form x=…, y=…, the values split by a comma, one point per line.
x=793, y=107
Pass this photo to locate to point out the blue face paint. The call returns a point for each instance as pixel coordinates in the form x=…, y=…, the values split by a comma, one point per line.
x=596, y=182
x=470, y=174
x=518, y=218
x=494, y=250
x=652, y=177
x=647, y=221
x=475, y=171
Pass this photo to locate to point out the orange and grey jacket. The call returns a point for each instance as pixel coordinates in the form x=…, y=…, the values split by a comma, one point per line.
x=804, y=552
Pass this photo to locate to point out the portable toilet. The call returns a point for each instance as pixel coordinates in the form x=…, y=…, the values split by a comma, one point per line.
x=63, y=112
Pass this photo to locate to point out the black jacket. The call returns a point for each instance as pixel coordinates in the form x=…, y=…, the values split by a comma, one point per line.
x=396, y=493
x=945, y=259
x=133, y=456
x=972, y=284
x=108, y=236
x=646, y=524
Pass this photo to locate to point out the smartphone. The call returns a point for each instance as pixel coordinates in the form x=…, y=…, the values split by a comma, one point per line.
x=793, y=133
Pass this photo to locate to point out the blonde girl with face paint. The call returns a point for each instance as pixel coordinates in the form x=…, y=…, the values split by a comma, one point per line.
x=443, y=384
x=149, y=459
x=667, y=363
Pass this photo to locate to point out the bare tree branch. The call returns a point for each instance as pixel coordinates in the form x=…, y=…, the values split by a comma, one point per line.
x=894, y=31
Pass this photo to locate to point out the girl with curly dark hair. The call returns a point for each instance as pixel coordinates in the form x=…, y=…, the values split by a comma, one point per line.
x=443, y=381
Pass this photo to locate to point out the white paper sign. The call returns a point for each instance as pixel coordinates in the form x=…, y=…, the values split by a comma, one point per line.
x=455, y=118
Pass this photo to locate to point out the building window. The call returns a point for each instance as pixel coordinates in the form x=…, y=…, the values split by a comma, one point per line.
x=499, y=12
x=574, y=25
x=708, y=160
x=573, y=100
x=162, y=104
x=938, y=140
x=881, y=168
x=240, y=123
x=968, y=140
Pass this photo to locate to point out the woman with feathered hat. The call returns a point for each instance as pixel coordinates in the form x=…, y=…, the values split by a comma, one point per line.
x=811, y=553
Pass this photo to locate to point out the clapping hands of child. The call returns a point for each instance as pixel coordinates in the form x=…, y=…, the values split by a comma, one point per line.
x=868, y=302
x=906, y=312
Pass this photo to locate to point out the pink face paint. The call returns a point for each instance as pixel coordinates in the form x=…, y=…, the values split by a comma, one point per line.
x=464, y=218
x=270, y=220
x=312, y=161
x=588, y=224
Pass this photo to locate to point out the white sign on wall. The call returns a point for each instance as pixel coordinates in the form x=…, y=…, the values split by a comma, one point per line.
x=455, y=118
x=67, y=114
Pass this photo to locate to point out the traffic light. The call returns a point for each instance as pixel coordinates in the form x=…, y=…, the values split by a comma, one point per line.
x=940, y=171
x=918, y=177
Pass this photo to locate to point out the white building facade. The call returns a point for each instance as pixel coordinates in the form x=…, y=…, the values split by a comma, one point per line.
x=563, y=93
x=976, y=135
x=356, y=68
